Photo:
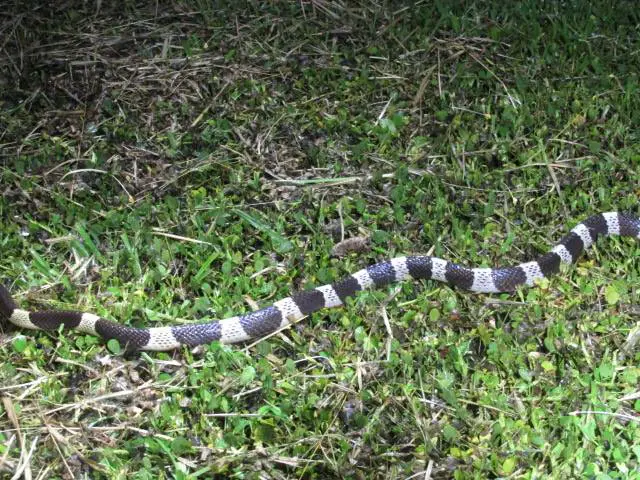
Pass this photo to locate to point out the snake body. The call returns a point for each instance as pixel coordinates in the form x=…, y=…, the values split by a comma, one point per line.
x=290, y=309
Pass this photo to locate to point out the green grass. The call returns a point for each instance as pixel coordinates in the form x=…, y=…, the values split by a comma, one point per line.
x=161, y=166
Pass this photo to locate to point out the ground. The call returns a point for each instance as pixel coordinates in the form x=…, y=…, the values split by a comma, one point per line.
x=168, y=164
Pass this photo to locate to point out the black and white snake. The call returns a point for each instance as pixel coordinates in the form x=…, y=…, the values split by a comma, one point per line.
x=283, y=312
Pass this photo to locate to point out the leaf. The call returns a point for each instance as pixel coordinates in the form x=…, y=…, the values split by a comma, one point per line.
x=509, y=465
x=280, y=243
x=180, y=445
x=388, y=125
x=247, y=375
x=450, y=433
x=547, y=366
x=204, y=270
x=605, y=371
x=114, y=346
x=88, y=243
x=20, y=344
x=612, y=295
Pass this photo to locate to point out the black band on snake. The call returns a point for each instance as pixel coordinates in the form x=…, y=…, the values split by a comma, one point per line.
x=283, y=312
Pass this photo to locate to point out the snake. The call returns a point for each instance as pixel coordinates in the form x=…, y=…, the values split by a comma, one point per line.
x=265, y=321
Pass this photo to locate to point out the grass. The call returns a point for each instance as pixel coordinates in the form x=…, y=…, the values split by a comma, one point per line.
x=163, y=165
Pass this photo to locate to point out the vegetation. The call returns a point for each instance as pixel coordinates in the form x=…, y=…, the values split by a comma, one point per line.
x=166, y=164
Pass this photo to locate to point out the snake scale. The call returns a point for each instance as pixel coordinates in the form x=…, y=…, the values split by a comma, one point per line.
x=290, y=309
